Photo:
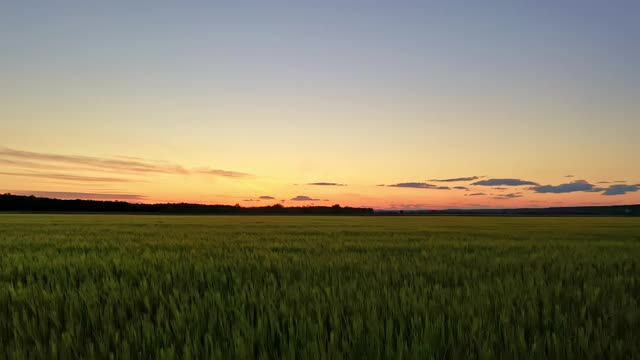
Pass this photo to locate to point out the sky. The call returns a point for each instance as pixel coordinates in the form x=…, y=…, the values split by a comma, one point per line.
x=384, y=104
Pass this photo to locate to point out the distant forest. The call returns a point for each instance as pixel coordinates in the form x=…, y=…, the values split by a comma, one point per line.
x=19, y=203
x=615, y=210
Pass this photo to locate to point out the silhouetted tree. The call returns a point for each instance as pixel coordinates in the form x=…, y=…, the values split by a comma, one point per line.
x=10, y=202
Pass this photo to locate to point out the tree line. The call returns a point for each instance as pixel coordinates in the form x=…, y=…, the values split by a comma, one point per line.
x=21, y=203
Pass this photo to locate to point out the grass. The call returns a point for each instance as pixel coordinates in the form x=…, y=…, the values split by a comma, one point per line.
x=194, y=287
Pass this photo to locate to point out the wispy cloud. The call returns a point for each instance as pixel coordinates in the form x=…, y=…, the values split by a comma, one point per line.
x=504, y=182
x=69, y=177
x=419, y=185
x=508, y=196
x=23, y=164
x=94, y=162
x=476, y=194
x=461, y=188
x=80, y=195
x=223, y=173
x=621, y=189
x=414, y=185
x=326, y=184
x=303, y=198
x=37, y=160
x=470, y=178
x=575, y=186
x=568, y=176
x=266, y=197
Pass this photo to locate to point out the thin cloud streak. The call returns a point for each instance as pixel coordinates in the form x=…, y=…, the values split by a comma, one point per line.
x=121, y=164
x=419, y=185
x=99, y=163
x=504, y=182
x=470, y=178
x=218, y=172
x=508, y=196
x=29, y=165
x=326, y=184
x=69, y=177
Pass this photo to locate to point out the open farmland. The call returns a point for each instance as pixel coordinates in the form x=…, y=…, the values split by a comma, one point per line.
x=100, y=286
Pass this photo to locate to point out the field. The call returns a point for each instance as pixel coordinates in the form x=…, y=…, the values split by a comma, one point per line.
x=195, y=287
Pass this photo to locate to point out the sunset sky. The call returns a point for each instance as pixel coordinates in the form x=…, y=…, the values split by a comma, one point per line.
x=385, y=104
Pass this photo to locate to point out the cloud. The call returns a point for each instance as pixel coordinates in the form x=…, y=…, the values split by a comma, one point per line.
x=604, y=182
x=326, y=184
x=471, y=178
x=504, y=182
x=69, y=177
x=79, y=195
x=621, y=189
x=99, y=163
x=500, y=188
x=476, y=194
x=23, y=164
x=223, y=173
x=251, y=200
x=36, y=160
x=596, y=189
x=266, y=197
x=568, y=176
x=575, y=186
x=415, y=185
x=508, y=196
x=461, y=188
x=419, y=185
x=303, y=198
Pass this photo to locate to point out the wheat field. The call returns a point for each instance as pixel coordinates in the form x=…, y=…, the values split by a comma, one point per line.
x=306, y=287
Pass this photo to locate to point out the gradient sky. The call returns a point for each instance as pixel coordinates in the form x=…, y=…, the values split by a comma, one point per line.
x=230, y=101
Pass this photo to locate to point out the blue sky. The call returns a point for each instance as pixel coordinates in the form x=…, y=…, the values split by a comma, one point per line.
x=362, y=92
